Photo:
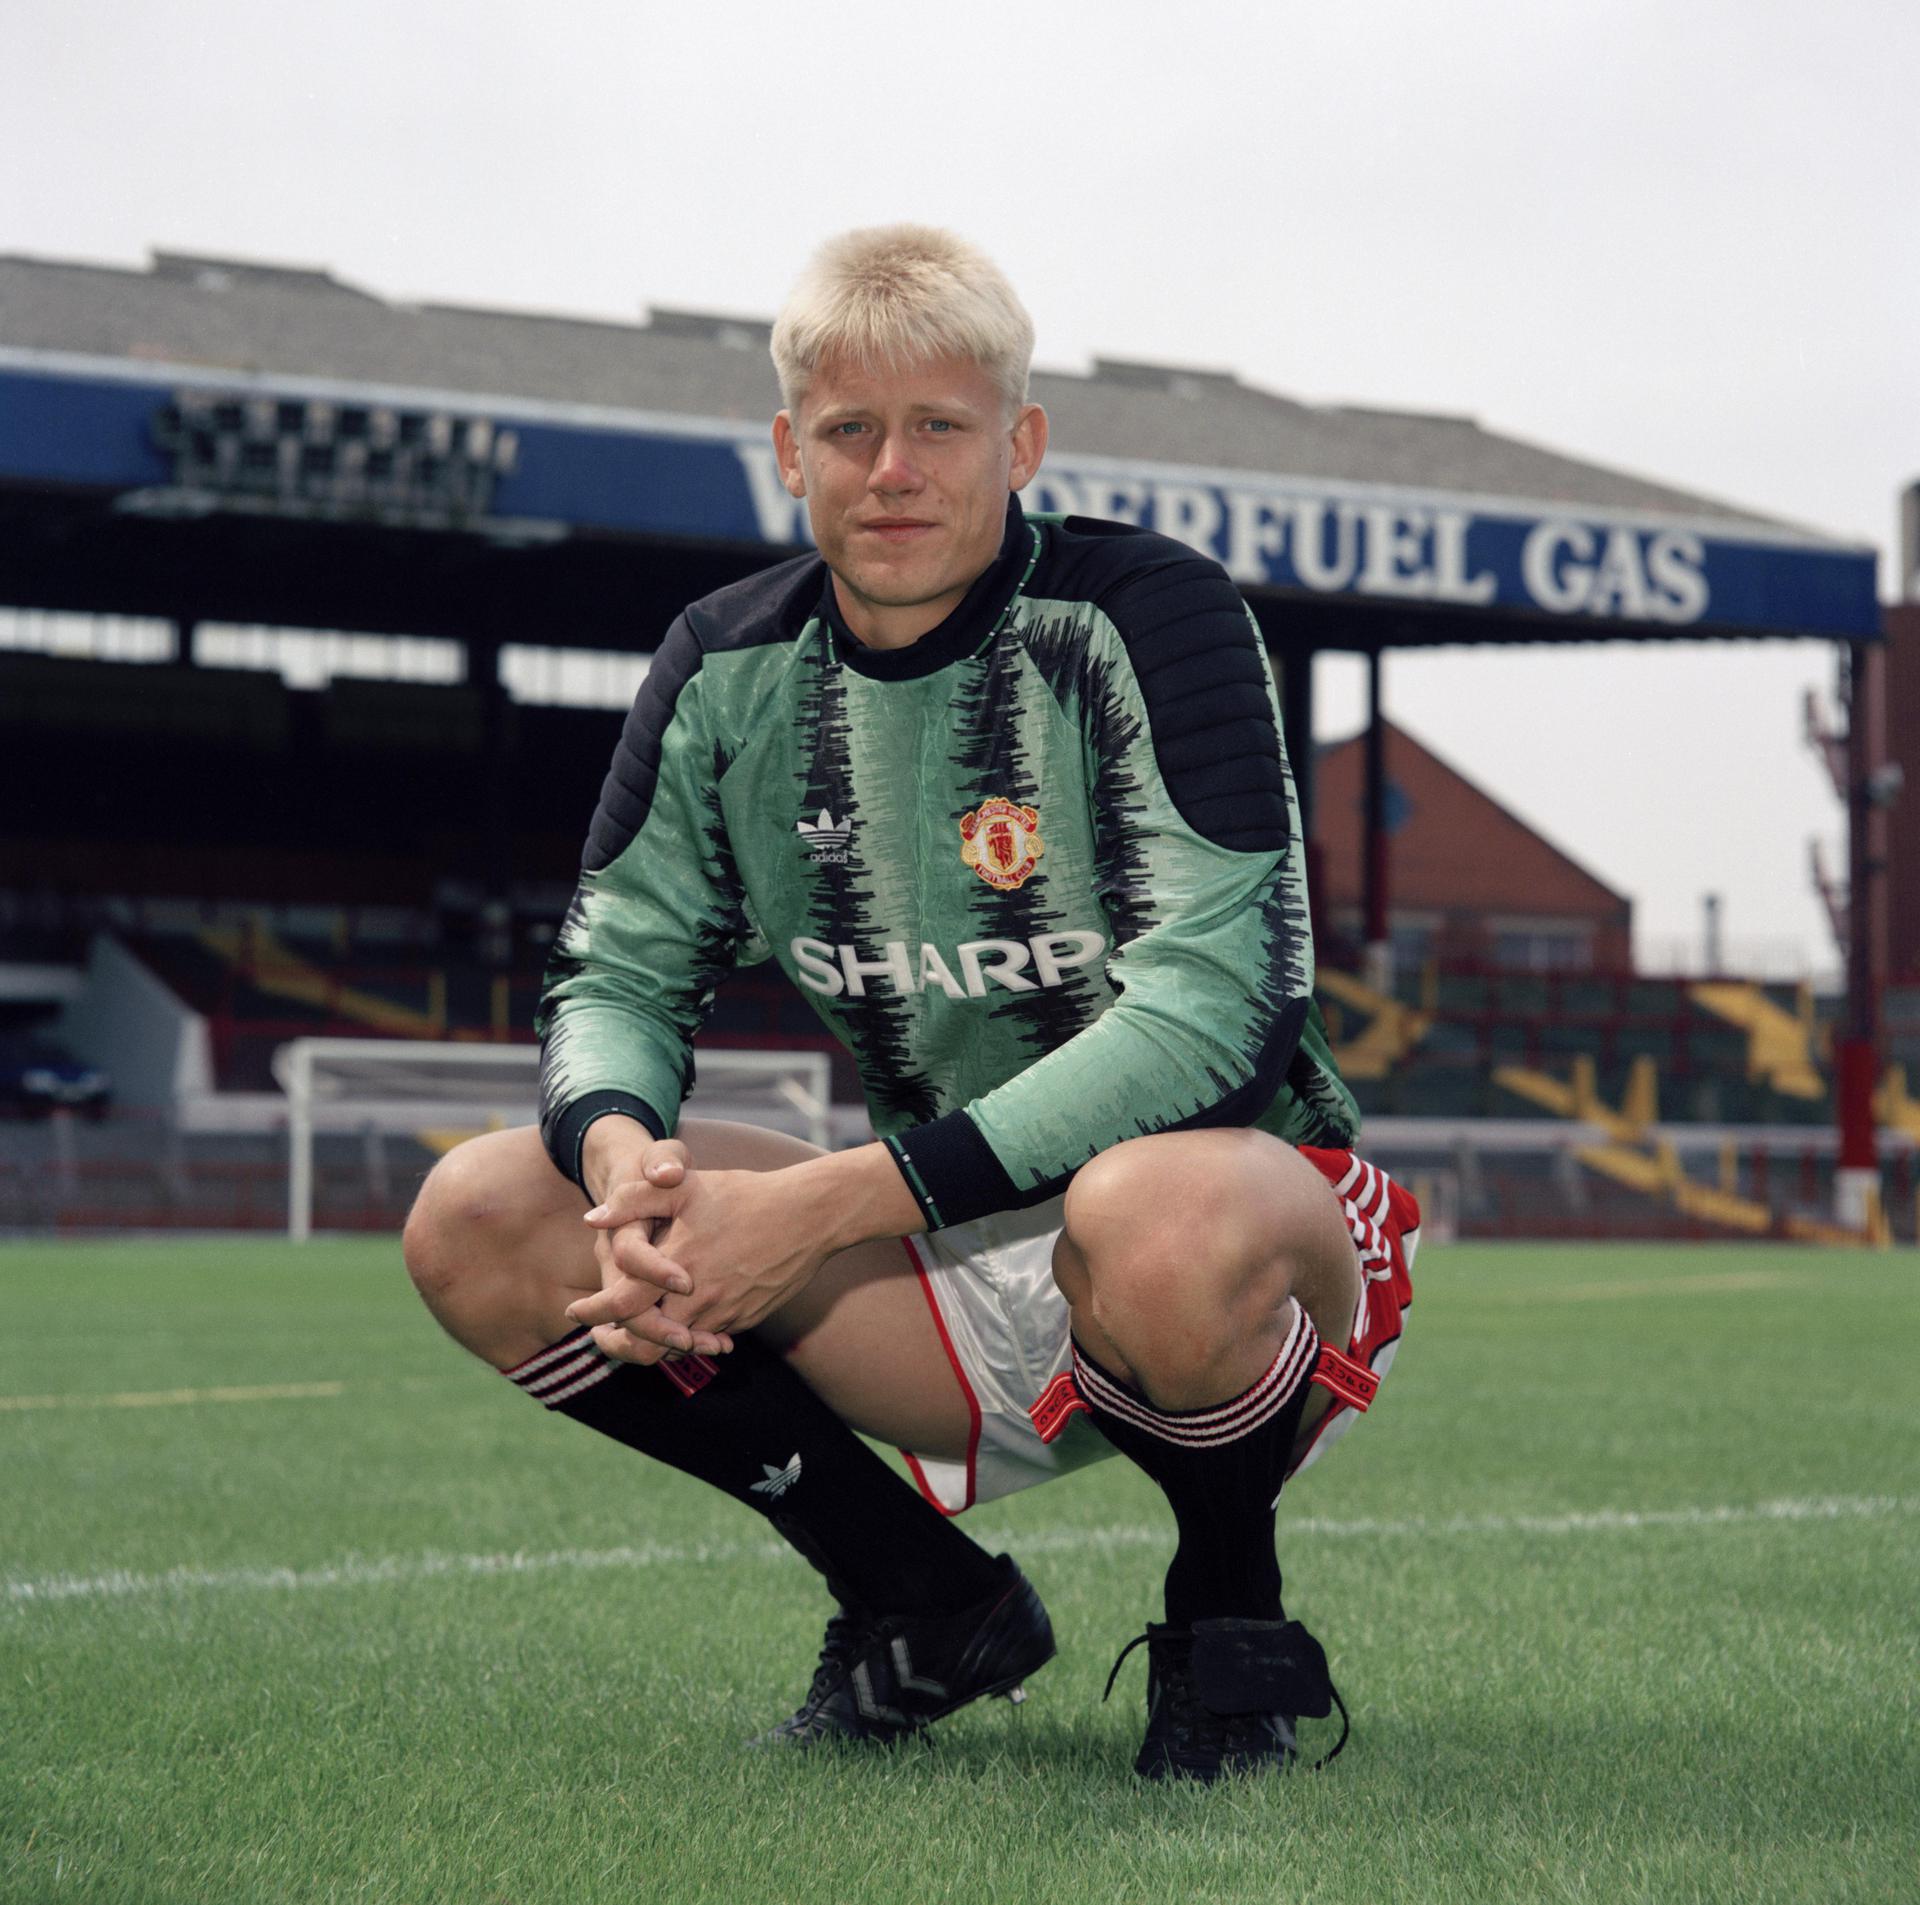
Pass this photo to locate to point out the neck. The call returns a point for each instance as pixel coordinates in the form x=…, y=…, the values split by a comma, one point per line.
x=889, y=624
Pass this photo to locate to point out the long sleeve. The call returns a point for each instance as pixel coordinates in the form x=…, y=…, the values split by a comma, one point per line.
x=657, y=918
x=1201, y=877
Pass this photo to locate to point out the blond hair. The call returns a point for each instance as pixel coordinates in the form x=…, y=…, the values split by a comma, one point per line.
x=894, y=295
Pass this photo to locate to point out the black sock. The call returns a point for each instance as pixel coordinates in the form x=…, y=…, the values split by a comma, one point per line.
x=1221, y=1469
x=758, y=1433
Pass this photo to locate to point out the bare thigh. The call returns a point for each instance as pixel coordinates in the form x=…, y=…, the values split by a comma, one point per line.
x=498, y=1249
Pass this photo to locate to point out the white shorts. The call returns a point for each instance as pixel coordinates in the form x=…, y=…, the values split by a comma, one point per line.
x=1004, y=1325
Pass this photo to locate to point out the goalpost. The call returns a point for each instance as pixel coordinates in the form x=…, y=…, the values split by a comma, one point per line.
x=410, y=1085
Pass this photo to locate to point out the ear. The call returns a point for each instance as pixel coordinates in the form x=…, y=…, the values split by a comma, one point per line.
x=1029, y=445
x=786, y=448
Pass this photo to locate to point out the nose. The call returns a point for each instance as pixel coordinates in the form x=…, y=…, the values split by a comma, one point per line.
x=894, y=469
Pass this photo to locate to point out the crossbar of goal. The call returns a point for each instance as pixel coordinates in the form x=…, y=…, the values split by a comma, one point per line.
x=349, y=1084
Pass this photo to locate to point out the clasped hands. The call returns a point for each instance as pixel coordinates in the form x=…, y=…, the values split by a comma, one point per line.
x=687, y=1257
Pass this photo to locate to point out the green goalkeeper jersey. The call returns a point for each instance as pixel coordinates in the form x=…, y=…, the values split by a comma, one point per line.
x=1040, y=872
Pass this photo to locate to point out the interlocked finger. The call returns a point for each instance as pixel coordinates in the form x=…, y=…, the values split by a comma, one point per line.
x=633, y=1253
x=633, y=1309
x=623, y=1346
x=636, y=1200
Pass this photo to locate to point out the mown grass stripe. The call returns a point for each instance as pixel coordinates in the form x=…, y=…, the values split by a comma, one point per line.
x=1705, y=1283
x=356, y=1571
x=170, y=1398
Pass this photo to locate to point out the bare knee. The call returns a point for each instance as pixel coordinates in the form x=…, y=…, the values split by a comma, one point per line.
x=430, y=1243
x=466, y=1216
x=1154, y=1212
x=1184, y=1248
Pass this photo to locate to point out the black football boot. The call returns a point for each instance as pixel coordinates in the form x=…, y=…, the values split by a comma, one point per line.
x=882, y=1677
x=1224, y=1696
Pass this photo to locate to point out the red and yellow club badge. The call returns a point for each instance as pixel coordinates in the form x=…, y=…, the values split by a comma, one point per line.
x=1001, y=841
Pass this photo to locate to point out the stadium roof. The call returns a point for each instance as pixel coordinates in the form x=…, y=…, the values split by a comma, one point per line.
x=305, y=322
x=658, y=429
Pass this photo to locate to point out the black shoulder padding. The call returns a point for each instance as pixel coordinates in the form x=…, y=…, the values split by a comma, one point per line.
x=1101, y=526
x=771, y=606
x=1196, y=655
x=626, y=795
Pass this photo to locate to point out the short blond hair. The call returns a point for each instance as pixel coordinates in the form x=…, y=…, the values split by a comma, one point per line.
x=893, y=295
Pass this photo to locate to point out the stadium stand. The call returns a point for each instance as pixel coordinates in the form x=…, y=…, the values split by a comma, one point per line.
x=1456, y=1030
x=220, y=859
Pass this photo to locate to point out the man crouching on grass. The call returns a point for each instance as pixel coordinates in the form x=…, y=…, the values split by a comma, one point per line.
x=1007, y=797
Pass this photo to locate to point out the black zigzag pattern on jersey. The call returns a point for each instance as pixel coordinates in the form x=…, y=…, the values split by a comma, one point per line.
x=563, y=1122
x=718, y=933
x=989, y=749
x=773, y=606
x=1085, y=685
x=1318, y=1094
x=1284, y=998
x=876, y=1026
x=1195, y=654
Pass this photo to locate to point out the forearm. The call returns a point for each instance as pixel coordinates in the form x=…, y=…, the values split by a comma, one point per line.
x=849, y=1197
x=842, y=1199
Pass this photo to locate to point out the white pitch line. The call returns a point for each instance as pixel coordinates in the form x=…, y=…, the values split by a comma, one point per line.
x=355, y=1571
x=171, y=1398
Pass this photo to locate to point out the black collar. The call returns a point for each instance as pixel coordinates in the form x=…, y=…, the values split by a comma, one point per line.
x=961, y=634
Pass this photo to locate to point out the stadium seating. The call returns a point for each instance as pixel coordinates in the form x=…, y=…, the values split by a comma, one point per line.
x=258, y=987
x=1472, y=1022
x=1452, y=1044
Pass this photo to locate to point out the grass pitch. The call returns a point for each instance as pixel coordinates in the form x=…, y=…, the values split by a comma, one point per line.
x=297, y=1604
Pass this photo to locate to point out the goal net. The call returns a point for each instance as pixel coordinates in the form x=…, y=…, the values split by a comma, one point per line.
x=452, y=1090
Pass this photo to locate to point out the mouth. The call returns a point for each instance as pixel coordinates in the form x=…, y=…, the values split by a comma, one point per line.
x=898, y=529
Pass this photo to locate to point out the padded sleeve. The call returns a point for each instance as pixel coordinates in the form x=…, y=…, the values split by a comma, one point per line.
x=656, y=920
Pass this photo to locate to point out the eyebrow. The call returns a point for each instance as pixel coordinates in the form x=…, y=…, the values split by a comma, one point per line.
x=841, y=412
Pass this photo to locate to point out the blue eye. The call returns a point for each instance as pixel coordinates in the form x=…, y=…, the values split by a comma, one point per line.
x=938, y=423
x=847, y=429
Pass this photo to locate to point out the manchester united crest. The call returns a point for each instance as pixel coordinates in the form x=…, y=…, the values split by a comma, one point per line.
x=1001, y=841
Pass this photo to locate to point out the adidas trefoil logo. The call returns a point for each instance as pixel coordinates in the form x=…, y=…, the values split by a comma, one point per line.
x=779, y=1480
x=826, y=838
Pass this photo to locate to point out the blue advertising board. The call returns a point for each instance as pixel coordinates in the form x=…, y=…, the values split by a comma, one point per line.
x=95, y=423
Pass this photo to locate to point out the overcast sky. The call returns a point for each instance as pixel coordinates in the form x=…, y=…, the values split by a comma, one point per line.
x=1677, y=238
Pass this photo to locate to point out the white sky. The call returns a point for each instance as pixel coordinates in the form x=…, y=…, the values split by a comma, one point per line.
x=1676, y=236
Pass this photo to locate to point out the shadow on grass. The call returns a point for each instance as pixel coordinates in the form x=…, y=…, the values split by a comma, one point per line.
x=1584, y=1778
x=1085, y=1752
x=974, y=1746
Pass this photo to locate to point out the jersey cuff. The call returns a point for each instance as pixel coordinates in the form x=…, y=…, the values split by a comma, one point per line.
x=955, y=1175
x=567, y=1134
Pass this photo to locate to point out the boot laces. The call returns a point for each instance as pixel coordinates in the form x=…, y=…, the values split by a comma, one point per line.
x=1137, y=1641
x=848, y=1633
x=1192, y=1717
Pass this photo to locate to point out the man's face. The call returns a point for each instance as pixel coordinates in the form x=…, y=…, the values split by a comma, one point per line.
x=906, y=475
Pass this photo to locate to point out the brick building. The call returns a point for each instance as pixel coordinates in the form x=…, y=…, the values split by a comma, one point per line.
x=1470, y=881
